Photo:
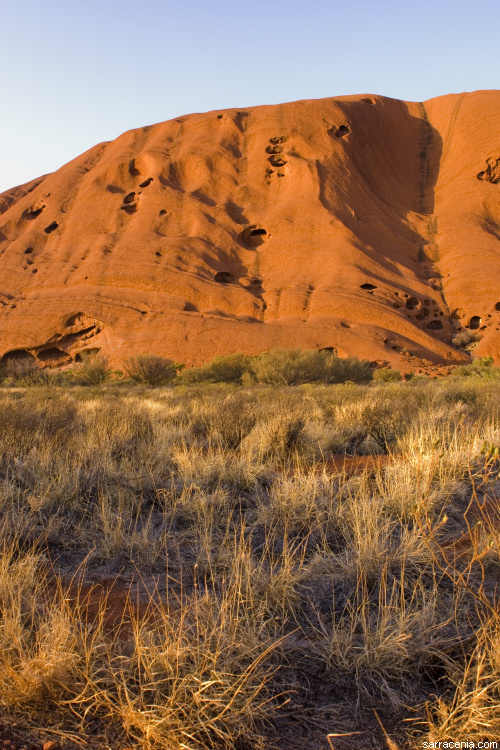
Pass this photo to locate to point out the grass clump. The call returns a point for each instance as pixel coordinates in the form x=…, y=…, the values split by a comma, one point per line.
x=150, y=369
x=176, y=677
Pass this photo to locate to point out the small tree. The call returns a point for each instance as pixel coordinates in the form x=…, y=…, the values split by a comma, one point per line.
x=151, y=369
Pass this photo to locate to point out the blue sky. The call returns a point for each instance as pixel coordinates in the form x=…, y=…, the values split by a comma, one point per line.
x=74, y=74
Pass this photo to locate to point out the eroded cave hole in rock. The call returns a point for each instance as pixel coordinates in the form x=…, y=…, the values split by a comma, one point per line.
x=130, y=203
x=368, y=100
x=475, y=322
x=75, y=320
x=434, y=325
x=54, y=357
x=274, y=150
x=83, y=328
x=146, y=183
x=492, y=171
x=276, y=160
x=189, y=307
x=51, y=228
x=342, y=131
x=424, y=313
x=253, y=284
x=223, y=277
x=497, y=306
x=91, y=352
x=33, y=213
x=412, y=303
x=29, y=250
x=254, y=235
x=278, y=139
x=368, y=287
x=18, y=357
x=133, y=168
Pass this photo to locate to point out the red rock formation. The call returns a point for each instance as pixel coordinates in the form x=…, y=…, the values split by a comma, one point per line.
x=357, y=223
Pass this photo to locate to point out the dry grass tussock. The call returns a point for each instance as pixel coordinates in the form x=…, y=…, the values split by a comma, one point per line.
x=194, y=567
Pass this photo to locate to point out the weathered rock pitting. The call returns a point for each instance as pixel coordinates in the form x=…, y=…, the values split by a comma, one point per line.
x=357, y=223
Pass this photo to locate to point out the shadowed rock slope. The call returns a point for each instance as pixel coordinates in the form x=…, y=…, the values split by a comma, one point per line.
x=361, y=223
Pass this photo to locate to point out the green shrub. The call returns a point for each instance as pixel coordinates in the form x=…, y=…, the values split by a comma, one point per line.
x=348, y=370
x=288, y=367
x=230, y=368
x=200, y=374
x=386, y=375
x=93, y=369
x=296, y=366
x=151, y=369
x=281, y=367
x=481, y=368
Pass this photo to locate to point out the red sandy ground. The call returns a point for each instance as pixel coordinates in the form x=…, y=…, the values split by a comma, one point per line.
x=120, y=249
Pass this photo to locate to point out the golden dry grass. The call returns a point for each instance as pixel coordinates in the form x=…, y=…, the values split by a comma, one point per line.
x=265, y=597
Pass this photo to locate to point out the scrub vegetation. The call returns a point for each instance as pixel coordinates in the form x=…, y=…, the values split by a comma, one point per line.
x=205, y=565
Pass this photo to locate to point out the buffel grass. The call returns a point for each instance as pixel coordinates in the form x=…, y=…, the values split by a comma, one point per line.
x=195, y=567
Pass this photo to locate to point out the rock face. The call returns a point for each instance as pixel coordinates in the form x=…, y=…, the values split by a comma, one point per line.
x=365, y=224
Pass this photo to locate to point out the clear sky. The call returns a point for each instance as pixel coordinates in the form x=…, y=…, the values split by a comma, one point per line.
x=74, y=74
